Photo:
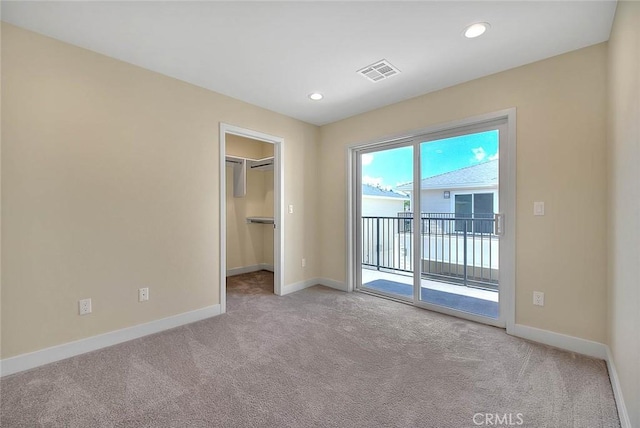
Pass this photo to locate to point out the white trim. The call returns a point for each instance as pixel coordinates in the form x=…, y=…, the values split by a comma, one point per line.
x=353, y=253
x=625, y=421
x=332, y=283
x=416, y=227
x=562, y=341
x=580, y=346
x=55, y=353
x=508, y=210
x=278, y=206
x=297, y=286
x=248, y=269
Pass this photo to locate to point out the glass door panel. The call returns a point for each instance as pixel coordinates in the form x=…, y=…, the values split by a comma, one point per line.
x=459, y=197
x=425, y=212
x=385, y=222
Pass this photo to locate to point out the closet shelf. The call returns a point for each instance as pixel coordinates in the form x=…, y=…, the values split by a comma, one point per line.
x=265, y=164
x=260, y=220
x=240, y=166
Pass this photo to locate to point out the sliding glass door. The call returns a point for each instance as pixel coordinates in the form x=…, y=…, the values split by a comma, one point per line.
x=459, y=199
x=428, y=220
x=385, y=221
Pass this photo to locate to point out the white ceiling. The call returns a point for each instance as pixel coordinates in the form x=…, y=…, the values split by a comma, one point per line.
x=274, y=54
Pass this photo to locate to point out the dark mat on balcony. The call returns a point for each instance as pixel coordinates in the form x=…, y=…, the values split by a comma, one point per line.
x=473, y=305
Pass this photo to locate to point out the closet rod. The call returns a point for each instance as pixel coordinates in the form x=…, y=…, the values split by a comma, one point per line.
x=261, y=165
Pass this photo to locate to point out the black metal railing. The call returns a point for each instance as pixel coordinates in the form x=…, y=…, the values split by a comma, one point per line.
x=460, y=249
x=384, y=243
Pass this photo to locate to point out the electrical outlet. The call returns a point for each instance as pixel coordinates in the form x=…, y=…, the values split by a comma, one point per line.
x=304, y=262
x=290, y=209
x=538, y=298
x=143, y=294
x=84, y=306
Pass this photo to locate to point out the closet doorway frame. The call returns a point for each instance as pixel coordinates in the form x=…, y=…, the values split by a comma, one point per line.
x=278, y=208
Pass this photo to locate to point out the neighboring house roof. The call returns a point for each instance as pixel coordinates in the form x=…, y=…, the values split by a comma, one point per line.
x=369, y=190
x=481, y=175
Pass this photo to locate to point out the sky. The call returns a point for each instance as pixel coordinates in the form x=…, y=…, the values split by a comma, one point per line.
x=389, y=168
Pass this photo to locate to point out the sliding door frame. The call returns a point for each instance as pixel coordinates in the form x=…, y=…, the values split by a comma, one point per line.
x=356, y=207
x=507, y=189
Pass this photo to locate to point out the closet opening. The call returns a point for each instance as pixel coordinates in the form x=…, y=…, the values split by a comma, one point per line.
x=251, y=228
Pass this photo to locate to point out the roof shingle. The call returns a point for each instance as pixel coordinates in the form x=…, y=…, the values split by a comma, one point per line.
x=482, y=174
x=369, y=190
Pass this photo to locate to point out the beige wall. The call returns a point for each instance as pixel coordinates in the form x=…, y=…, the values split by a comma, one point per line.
x=249, y=244
x=624, y=201
x=561, y=150
x=110, y=183
x=247, y=147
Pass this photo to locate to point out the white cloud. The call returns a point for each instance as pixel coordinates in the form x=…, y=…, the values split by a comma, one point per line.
x=367, y=158
x=479, y=154
x=373, y=181
x=494, y=157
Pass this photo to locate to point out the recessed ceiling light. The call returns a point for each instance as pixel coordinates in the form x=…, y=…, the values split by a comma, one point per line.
x=476, y=30
x=316, y=96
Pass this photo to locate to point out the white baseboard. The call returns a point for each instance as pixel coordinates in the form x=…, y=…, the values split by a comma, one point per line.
x=265, y=266
x=338, y=285
x=297, y=286
x=625, y=421
x=55, y=353
x=580, y=346
x=559, y=340
x=248, y=269
x=292, y=288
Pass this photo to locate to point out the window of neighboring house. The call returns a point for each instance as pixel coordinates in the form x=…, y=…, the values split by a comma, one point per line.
x=404, y=221
x=475, y=207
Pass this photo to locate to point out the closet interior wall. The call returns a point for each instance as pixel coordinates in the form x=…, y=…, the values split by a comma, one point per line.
x=249, y=246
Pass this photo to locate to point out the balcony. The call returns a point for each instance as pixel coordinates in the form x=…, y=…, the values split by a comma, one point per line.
x=459, y=257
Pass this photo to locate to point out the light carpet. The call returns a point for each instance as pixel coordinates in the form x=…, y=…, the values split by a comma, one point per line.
x=315, y=358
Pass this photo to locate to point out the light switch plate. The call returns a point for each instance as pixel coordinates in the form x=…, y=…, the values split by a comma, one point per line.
x=143, y=294
x=538, y=208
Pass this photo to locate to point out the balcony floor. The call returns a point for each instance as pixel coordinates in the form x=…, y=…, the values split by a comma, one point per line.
x=468, y=299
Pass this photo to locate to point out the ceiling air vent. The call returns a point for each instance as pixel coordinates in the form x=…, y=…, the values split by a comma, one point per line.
x=379, y=71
